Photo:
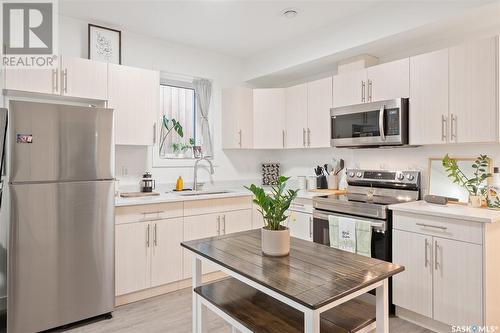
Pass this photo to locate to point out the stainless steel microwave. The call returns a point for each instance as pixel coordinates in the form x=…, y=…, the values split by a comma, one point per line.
x=375, y=124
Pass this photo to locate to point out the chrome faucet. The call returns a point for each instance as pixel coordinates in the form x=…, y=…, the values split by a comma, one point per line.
x=195, y=177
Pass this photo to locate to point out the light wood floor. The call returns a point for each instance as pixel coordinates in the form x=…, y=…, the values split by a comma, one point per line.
x=171, y=313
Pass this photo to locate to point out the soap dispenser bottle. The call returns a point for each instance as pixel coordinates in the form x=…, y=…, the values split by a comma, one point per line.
x=179, y=186
x=493, y=197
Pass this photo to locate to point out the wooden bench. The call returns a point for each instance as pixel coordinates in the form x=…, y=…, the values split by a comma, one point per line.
x=261, y=313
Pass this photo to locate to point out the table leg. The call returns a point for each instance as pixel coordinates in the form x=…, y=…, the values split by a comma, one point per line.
x=311, y=321
x=199, y=315
x=383, y=308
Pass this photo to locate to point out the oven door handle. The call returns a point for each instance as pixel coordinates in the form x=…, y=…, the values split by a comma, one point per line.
x=381, y=122
x=323, y=216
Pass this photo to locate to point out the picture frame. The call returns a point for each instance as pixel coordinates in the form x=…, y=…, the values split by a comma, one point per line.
x=104, y=44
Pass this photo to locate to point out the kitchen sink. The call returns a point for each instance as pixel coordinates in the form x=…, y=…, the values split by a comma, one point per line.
x=197, y=193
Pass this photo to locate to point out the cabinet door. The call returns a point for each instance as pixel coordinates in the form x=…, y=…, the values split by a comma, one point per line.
x=319, y=103
x=296, y=116
x=349, y=88
x=458, y=281
x=237, y=118
x=412, y=289
x=196, y=227
x=132, y=265
x=236, y=221
x=44, y=81
x=429, y=98
x=134, y=95
x=166, y=258
x=388, y=81
x=300, y=225
x=257, y=219
x=84, y=78
x=269, y=118
x=473, y=91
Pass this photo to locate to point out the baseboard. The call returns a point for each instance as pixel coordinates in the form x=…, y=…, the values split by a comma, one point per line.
x=422, y=321
x=163, y=289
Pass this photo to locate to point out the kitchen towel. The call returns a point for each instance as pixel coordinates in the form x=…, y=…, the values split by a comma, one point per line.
x=363, y=238
x=333, y=230
x=347, y=234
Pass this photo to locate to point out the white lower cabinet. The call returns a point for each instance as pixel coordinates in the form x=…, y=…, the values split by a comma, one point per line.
x=257, y=218
x=443, y=277
x=301, y=225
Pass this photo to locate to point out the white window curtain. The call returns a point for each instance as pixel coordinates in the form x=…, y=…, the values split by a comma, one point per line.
x=203, y=94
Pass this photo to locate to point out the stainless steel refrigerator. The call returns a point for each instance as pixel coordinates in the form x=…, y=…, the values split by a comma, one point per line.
x=61, y=239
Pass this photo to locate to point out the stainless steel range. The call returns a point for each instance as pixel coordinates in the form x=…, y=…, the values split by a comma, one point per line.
x=369, y=193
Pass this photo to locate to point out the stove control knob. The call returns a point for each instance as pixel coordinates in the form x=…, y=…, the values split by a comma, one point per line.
x=351, y=174
x=410, y=177
x=401, y=176
x=359, y=174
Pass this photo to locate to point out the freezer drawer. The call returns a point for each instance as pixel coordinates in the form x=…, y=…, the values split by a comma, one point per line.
x=55, y=142
x=61, y=254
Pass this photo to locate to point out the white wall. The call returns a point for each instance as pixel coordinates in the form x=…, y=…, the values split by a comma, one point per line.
x=152, y=53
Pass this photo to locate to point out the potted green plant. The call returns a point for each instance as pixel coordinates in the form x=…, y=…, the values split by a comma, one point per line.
x=169, y=125
x=474, y=184
x=274, y=206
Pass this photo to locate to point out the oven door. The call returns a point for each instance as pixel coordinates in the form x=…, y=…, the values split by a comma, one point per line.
x=370, y=124
x=380, y=246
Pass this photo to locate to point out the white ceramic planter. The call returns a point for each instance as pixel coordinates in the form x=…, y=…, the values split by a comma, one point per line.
x=276, y=243
x=475, y=201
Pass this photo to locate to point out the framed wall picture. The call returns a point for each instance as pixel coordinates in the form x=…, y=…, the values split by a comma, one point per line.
x=105, y=44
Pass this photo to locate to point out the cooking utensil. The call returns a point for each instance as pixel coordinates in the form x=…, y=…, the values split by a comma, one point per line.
x=326, y=167
x=340, y=167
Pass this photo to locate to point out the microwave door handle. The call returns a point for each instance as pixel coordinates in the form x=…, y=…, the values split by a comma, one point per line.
x=381, y=122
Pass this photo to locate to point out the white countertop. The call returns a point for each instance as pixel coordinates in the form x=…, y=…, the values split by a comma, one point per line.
x=174, y=197
x=454, y=211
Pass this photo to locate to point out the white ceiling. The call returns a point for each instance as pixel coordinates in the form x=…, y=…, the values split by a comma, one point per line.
x=238, y=28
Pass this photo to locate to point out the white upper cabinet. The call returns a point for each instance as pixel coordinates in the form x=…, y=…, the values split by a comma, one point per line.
x=269, y=118
x=296, y=116
x=319, y=103
x=473, y=91
x=237, y=118
x=84, y=78
x=134, y=95
x=349, y=88
x=388, y=81
x=45, y=81
x=428, y=116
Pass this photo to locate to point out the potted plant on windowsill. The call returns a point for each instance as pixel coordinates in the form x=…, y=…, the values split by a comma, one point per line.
x=474, y=184
x=274, y=206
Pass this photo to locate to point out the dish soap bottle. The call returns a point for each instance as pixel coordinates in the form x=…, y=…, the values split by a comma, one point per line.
x=179, y=186
x=493, y=198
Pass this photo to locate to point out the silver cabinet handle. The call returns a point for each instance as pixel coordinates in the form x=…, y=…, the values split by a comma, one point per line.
x=55, y=80
x=64, y=80
x=154, y=133
x=223, y=224
x=363, y=91
x=155, y=240
x=444, y=128
x=218, y=225
x=381, y=122
x=304, y=137
x=436, y=255
x=147, y=236
x=309, y=137
x=239, y=139
x=431, y=226
x=426, y=257
x=310, y=227
x=283, y=138
x=453, y=127
x=370, y=87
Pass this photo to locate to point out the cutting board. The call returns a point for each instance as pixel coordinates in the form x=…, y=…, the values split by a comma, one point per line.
x=329, y=192
x=138, y=194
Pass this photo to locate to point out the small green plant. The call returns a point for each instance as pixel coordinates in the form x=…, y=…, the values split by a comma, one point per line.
x=473, y=184
x=170, y=125
x=182, y=147
x=273, y=206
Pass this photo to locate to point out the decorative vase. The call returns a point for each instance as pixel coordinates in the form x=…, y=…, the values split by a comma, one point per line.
x=275, y=243
x=475, y=201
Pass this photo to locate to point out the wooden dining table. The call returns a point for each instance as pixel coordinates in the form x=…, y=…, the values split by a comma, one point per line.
x=312, y=279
